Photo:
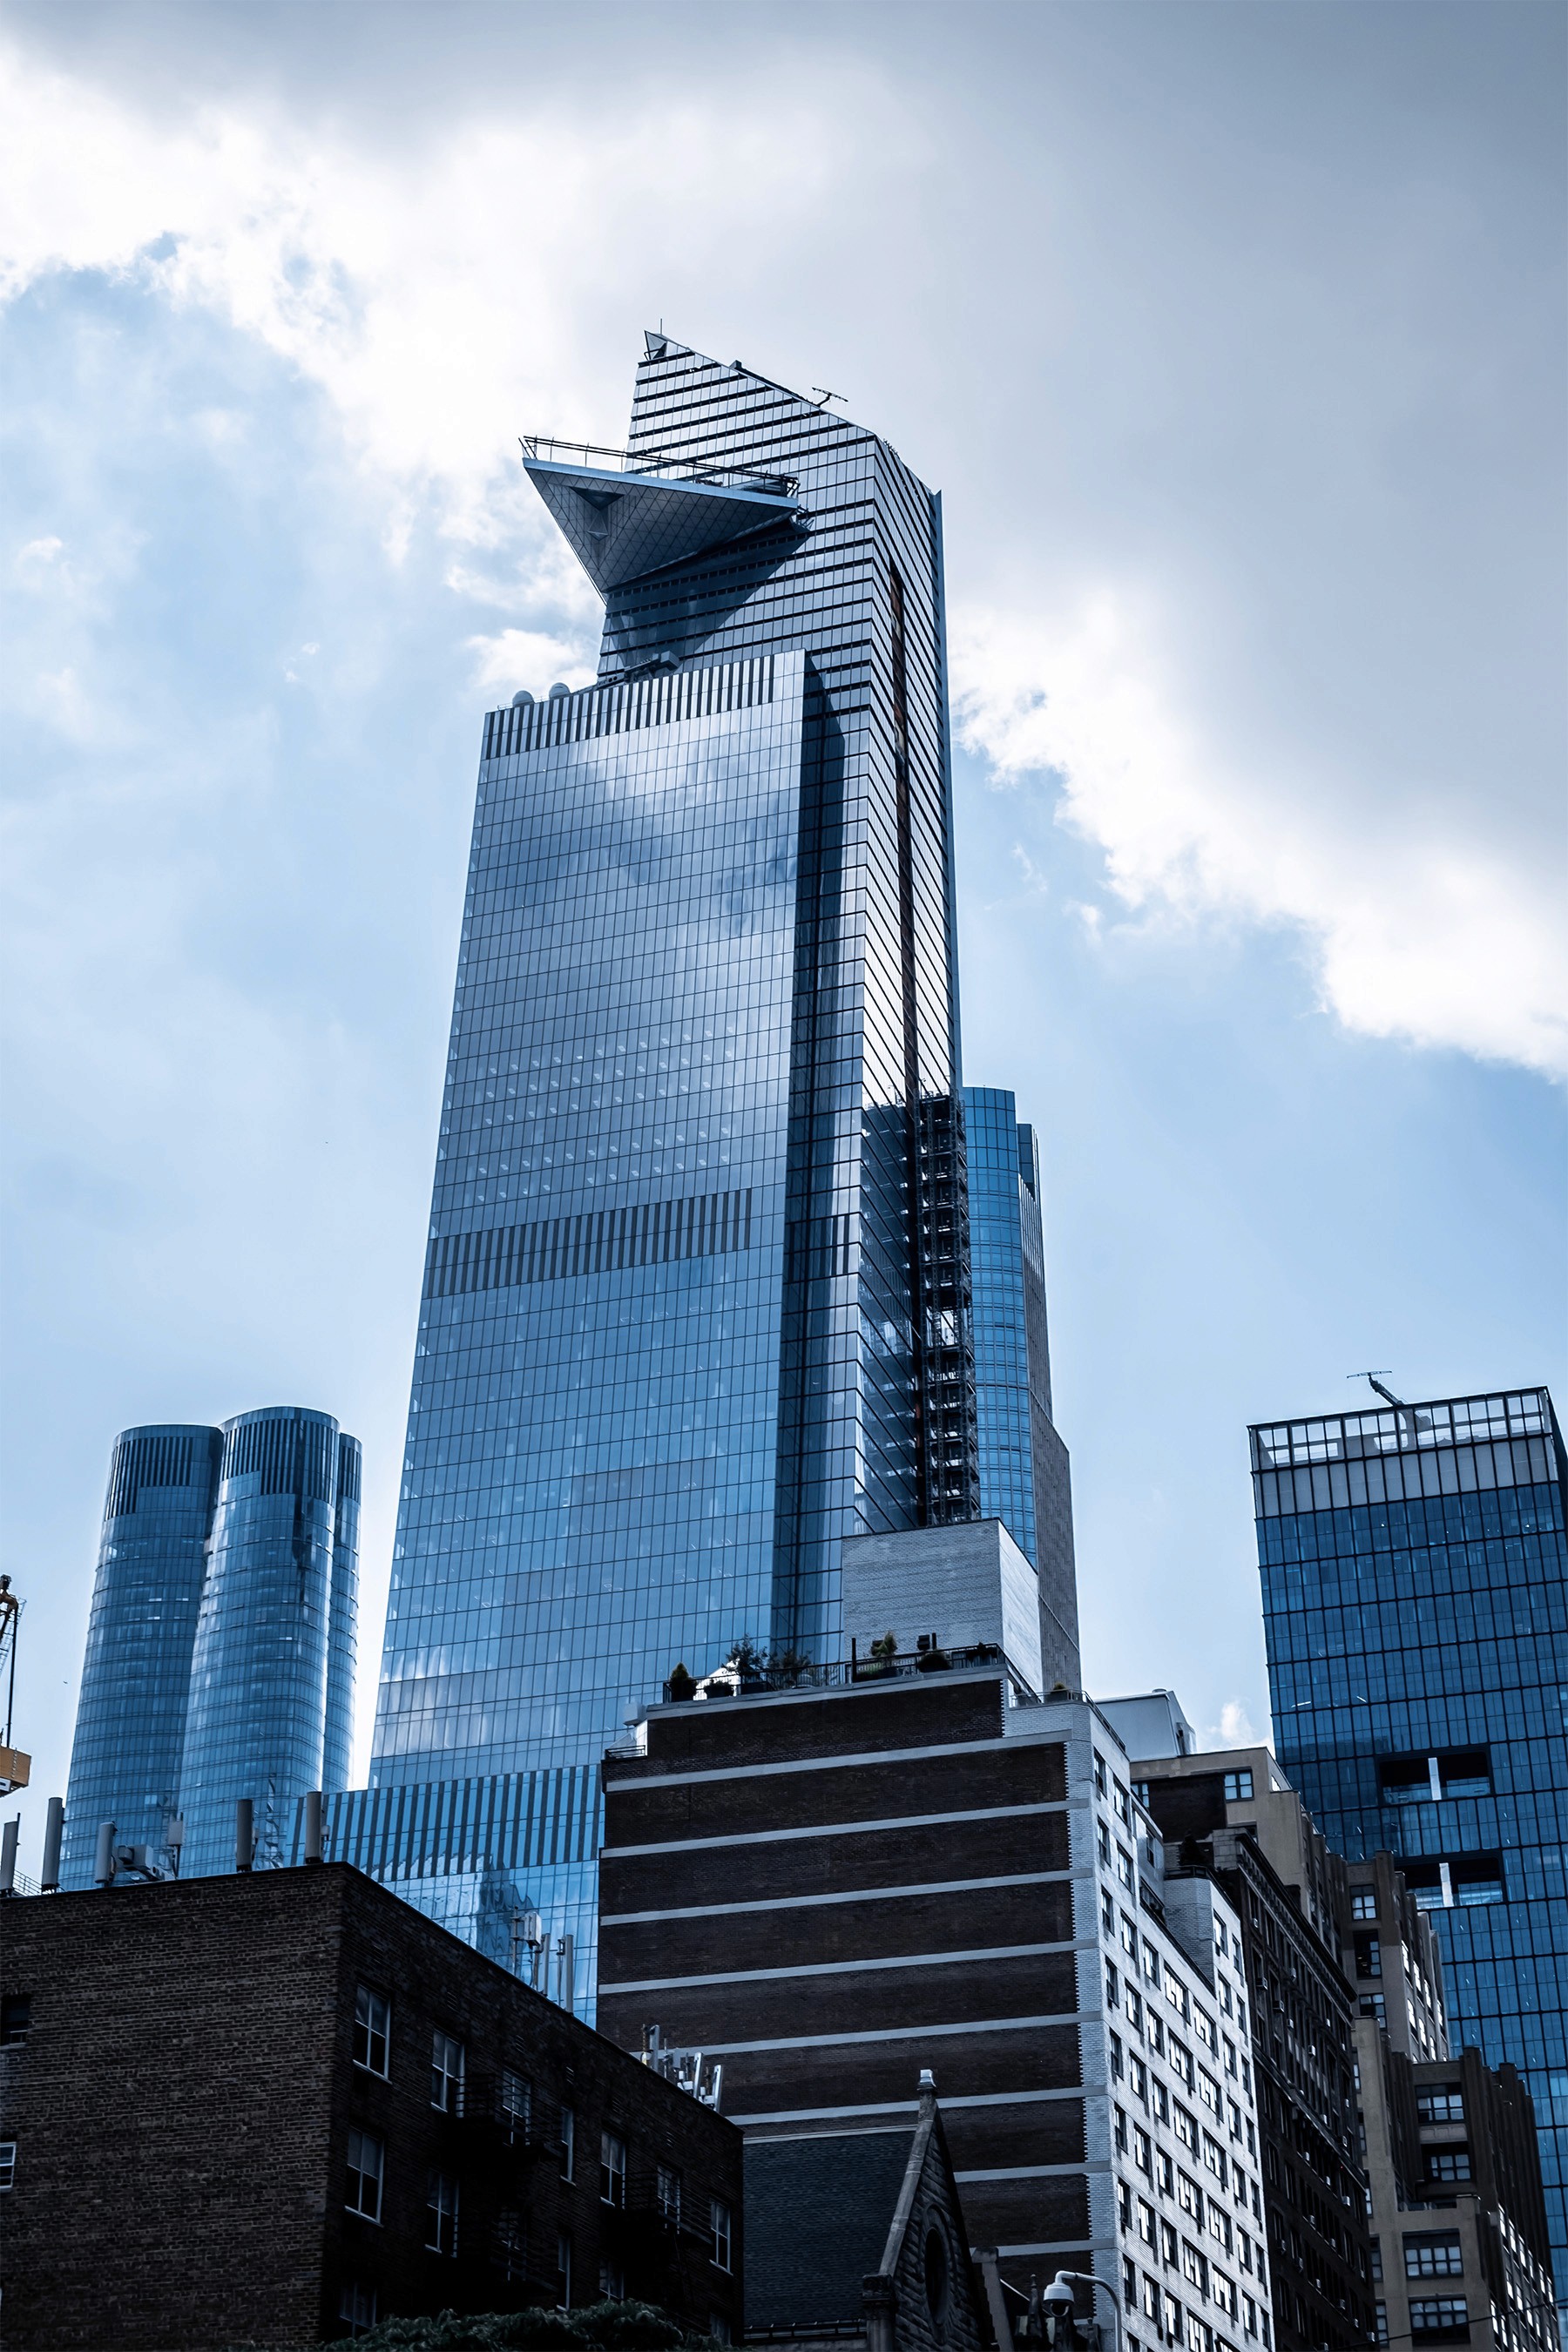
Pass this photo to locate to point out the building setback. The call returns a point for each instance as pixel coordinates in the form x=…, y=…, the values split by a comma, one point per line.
x=830, y=1888
x=267, y=2107
x=1415, y=1569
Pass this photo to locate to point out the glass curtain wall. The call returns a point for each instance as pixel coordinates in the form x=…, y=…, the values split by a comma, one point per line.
x=1415, y=1606
x=697, y=1293
x=136, y=1675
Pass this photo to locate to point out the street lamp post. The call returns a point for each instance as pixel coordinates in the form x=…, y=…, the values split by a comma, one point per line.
x=1059, y=2296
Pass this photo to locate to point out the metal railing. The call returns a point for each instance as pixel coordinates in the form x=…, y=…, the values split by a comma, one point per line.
x=755, y=1681
x=548, y=450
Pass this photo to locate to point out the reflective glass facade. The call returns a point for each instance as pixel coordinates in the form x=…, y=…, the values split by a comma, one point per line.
x=1024, y=1471
x=1416, y=1606
x=266, y=1677
x=220, y=1653
x=136, y=1675
x=696, y=1299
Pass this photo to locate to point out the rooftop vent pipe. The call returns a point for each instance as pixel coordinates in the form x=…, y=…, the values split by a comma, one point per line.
x=54, y=1837
x=244, y=1834
x=104, y=1862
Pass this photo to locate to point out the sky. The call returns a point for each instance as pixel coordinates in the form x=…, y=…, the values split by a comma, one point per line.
x=1233, y=336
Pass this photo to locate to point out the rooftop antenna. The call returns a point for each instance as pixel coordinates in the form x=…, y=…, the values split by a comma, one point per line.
x=825, y=395
x=1387, y=1393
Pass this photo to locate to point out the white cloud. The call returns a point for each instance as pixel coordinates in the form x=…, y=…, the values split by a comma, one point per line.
x=1236, y=1729
x=1437, y=937
x=444, y=299
x=532, y=659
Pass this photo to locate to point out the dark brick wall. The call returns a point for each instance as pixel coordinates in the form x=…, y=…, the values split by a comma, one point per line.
x=183, y=2105
x=941, y=1974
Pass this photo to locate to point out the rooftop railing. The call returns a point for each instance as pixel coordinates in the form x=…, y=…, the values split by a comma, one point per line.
x=546, y=449
x=762, y=1678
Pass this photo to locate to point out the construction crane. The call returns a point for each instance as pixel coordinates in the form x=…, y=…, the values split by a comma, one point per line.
x=16, y=1769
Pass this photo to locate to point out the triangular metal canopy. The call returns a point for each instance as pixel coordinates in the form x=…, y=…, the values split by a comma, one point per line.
x=621, y=525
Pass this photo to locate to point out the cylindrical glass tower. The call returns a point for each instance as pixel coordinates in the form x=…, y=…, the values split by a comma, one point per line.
x=257, y=1721
x=130, y=1715
x=344, y=1632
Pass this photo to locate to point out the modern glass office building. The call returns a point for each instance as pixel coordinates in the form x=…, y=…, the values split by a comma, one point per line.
x=1415, y=1606
x=266, y=1676
x=1024, y=1478
x=696, y=1300
x=136, y=1675
x=220, y=1653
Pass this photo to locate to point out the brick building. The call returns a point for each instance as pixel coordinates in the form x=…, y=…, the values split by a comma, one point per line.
x=1233, y=1816
x=830, y=1888
x=272, y=2107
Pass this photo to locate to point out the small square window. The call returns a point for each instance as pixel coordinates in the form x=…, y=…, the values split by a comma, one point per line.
x=719, y=2222
x=1363, y=1902
x=372, y=2030
x=1239, y=1786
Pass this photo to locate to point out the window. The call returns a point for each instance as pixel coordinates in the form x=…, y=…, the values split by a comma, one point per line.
x=1123, y=2206
x=1164, y=2173
x=1107, y=1912
x=1224, y=2291
x=512, y=2243
x=1219, y=2226
x=372, y=2031
x=568, y=2144
x=1119, y=2127
x=1441, y=2106
x=1208, y=2091
x=1189, y=2196
x=1103, y=1845
x=1368, y=1955
x=1214, y=2158
x=1151, y=1962
x=1162, y=2102
x=447, y=2072
x=1117, y=2067
x=1146, y=2221
x=1182, y=2060
x=15, y=2018
x=1133, y=2007
x=1129, y=2283
x=1099, y=1775
x=1377, y=2261
x=1186, y=2126
x=1112, y=1988
x=516, y=2105
x=611, y=2169
x=1203, y=2026
x=1448, y=2164
x=1435, y=2254
x=1193, y=2266
x=718, y=2329
x=1138, y=2080
x=719, y=2222
x=356, y=2308
x=7, y=2164
x=1444, y=2316
x=1141, y=1790
x=1124, y=1865
x=441, y=2214
x=1167, y=2243
x=1123, y=1811
x=1380, y=2323
x=1239, y=1786
x=564, y=2269
x=1129, y=1937
x=367, y=2161
x=1363, y=1902
x=612, y=2281
x=1143, y=2150
x=669, y=2194
x=1175, y=1992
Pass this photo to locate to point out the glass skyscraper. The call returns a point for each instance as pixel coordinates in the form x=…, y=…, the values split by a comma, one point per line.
x=1023, y=1470
x=1415, y=1606
x=220, y=1651
x=696, y=1300
x=136, y=1675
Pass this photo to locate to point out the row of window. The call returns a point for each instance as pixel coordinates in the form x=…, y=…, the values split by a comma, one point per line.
x=367, y=2181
